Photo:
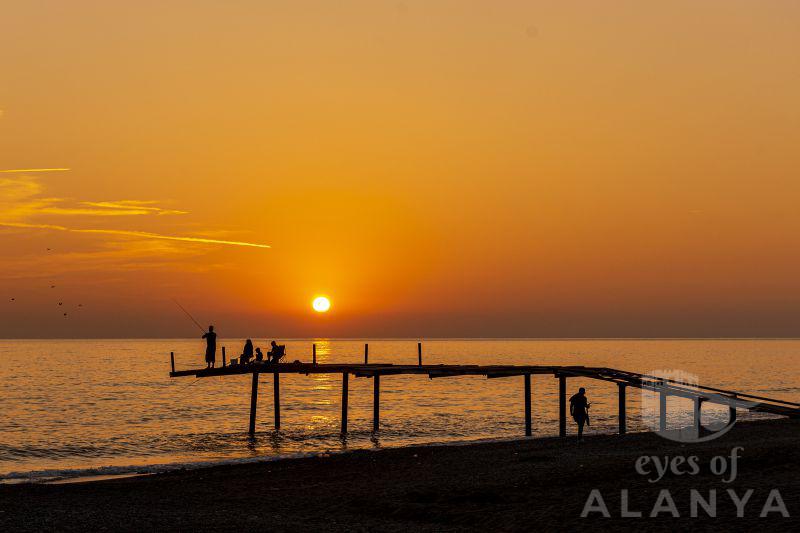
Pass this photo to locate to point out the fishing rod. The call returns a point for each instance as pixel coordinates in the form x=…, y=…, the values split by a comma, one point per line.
x=196, y=323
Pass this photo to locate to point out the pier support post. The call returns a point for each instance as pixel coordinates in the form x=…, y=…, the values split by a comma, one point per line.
x=622, y=416
x=344, y=402
x=172, y=360
x=376, y=402
x=662, y=412
x=366, y=353
x=276, y=401
x=562, y=406
x=698, y=413
x=732, y=412
x=253, y=404
x=419, y=353
x=528, y=428
x=314, y=354
x=223, y=357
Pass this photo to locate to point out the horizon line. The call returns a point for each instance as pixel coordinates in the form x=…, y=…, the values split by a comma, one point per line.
x=418, y=339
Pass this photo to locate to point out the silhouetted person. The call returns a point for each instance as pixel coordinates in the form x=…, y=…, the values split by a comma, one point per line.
x=275, y=354
x=211, y=347
x=259, y=355
x=247, y=352
x=579, y=409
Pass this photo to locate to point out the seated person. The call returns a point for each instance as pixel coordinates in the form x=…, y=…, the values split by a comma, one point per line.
x=275, y=354
x=247, y=353
x=259, y=355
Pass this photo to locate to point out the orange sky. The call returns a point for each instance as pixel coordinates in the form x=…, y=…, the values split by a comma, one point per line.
x=437, y=168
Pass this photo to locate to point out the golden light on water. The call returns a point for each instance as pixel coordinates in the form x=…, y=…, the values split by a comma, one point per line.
x=321, y=304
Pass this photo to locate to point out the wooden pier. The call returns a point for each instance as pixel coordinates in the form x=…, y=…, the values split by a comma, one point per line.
x=664, y=387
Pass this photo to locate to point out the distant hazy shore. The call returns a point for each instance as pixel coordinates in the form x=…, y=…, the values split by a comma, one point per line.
x=517, y=485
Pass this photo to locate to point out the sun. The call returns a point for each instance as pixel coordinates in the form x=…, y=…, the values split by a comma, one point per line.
x=321, y=304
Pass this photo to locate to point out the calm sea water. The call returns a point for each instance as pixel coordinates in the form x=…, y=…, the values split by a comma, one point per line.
x=87, y=407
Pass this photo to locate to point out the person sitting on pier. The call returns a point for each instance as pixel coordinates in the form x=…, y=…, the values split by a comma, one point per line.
x=247, y=352
x=274, y=355
x=211, y=347
x=579, y=409
x=259, y=355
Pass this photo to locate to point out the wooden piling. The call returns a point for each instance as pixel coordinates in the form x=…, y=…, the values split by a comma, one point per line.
x=662, y=412
x=376, y=402
x=562, y=406
x=528, y=427
x=419, y=353
x=344, y=402
x=172, y=360
x=314, y=354
x=276, y=398
x=698, y=414
x=253, y=403
x=622, y=415
x=366, y=353
x=223, y=357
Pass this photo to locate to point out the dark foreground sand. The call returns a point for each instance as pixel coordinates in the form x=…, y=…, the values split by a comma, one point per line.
x=539, y=484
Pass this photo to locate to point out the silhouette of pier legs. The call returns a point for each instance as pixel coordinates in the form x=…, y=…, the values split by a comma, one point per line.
x=665, y=387
x=344, y=402
x=376, y=402
x=698, y=413
x=562, y=405
x=276, y=393
x=253, y=403
x=528, y=429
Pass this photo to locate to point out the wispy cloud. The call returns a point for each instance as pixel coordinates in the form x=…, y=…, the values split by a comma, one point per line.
x=22, y=203
x=140, y=206
x=29, y=170
x=112, y=256
x=130, y=233
x=21, y=198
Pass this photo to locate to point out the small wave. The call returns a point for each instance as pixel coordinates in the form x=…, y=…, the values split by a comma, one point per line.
x=51, y=475
x=68, y=473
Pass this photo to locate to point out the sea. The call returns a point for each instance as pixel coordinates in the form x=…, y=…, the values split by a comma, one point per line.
x=78, y=409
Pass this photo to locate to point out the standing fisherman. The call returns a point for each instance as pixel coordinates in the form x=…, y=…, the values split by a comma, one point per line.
x=211, y=347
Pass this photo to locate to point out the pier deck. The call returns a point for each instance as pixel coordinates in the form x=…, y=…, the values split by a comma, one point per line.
x=699, y=394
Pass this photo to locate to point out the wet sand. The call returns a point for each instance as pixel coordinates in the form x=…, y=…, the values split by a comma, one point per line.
x=534, y=484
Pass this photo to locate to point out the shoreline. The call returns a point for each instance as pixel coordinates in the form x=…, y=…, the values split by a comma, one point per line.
x=506, y=485
x=106, y=472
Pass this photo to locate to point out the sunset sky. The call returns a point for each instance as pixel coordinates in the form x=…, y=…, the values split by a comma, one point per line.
x=435, y=168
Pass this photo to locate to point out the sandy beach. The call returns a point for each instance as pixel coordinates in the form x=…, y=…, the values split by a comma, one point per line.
x=510, y=486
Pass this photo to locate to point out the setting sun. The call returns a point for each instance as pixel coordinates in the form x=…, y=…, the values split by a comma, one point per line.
x=321, y=304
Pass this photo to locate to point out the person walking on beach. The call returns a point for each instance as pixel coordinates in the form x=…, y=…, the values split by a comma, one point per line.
x=579, y=409
x=211, y=347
